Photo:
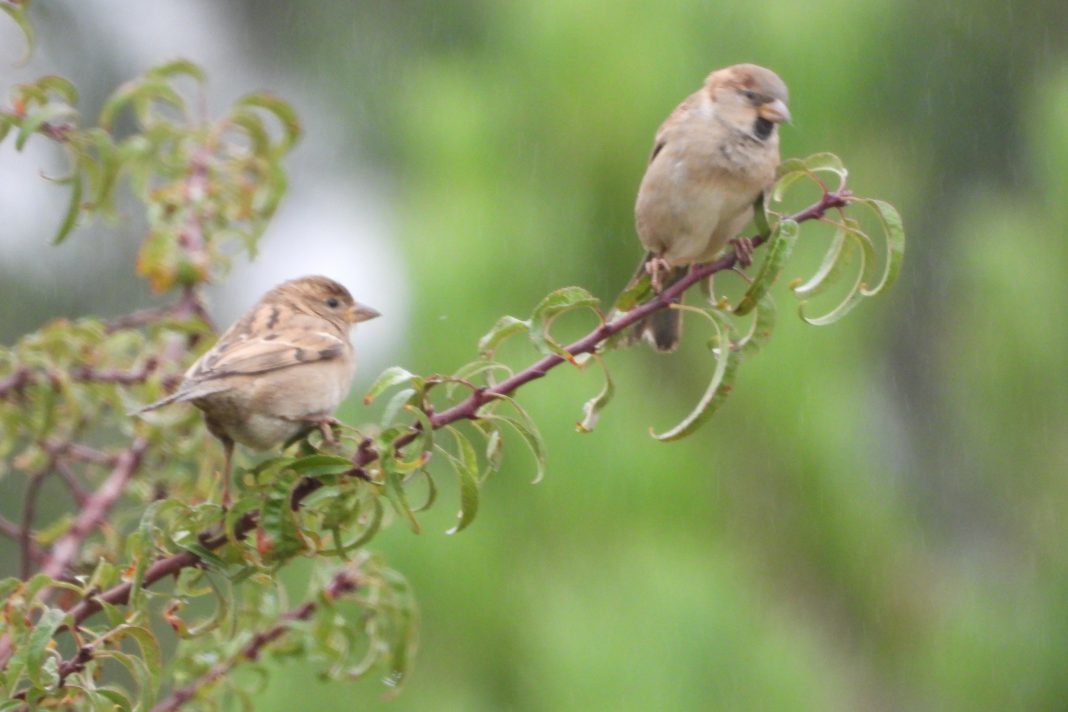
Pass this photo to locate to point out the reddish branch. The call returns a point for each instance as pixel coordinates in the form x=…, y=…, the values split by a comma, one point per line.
x=95, y=510
x=188, y=306
x=343, y=582
x=466, y=409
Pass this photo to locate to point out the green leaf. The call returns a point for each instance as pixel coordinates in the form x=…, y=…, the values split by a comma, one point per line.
x=38, y=645
x=465, y=463
x=397, y=402
x=848, y=238
x=397, y=497
x=837, y=257
x=278, y=524
x=527, y=429
x=505, y=327
x=320, y=464
x=392, y=376
x=780, y=246
x=17, y=13
x=556, y=303
x=61, y=86
x=177, y=68
x=138, y=671
x=467, y=374
x=34, y=121
x=591, y=410
x=759, y=330
x=285, y=114
x=894, y=232
x=635, y=293
x=151, y=661
x=792, y=170
x=720, y=385
x=74, y=209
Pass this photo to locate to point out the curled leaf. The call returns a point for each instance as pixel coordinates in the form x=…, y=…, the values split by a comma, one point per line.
x=591, y=409
x=392, y=376
x=894, y=232
x=505, y=327
x=527, y=430
x=781, y=245
x=465, y=464
x=556, y=303
x=760, y=330
x=720, y=385
x=282, y=111
x=17, y=12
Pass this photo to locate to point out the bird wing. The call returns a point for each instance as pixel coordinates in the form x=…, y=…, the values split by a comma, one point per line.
x=676, y=117
x=270, y=352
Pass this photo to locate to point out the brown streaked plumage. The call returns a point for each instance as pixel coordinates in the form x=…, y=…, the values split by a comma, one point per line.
x=711, y=159
x=281, y=368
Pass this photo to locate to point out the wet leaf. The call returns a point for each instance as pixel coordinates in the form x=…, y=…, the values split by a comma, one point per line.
x=74, y=209
x=527, y=430
x=17, y=12
x=718, y=388
x=779, y=249
x=555, y=304
x=392, y=376
x=46, y=114
x=40, y=643
x=505, y=327
x=465, y=464
x=591, y=410
x=894, y=233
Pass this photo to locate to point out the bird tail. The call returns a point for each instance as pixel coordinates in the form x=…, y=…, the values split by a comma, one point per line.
x=663, y=328
x=172, y=398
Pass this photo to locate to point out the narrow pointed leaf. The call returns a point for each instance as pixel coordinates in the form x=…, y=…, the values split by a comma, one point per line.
x=74, y=209
x=557, y=303
x=392, y=376
x=591, y=410
x=39, y=644
x=718, y=388
x=47, y=113
x=281, y=110
x=760, y=330
x=505, y=327
x=525, y=426
x=895, y=244
x=779, y=249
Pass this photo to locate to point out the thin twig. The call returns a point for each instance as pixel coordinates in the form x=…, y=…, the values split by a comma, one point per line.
x=77, y=451
x=29, y=510
x=95, y=510
x=126, y=378
x=9, y=529
x=77, y=491
x=188, y=305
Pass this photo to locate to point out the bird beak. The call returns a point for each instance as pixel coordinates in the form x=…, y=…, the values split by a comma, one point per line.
x=775, y=112
x=360, y=312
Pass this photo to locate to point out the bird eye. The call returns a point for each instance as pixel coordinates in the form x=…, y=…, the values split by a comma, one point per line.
x=749, y=94
x=332, y=302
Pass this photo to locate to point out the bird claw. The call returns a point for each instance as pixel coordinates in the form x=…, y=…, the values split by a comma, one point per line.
x=655, y=267
x=326, y=427
x=743, y=250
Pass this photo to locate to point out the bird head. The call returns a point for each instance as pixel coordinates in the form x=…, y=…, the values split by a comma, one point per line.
x=328, y=299
x=749, y=98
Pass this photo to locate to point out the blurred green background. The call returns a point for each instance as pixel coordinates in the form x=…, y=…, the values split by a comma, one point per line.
x=876, y=518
